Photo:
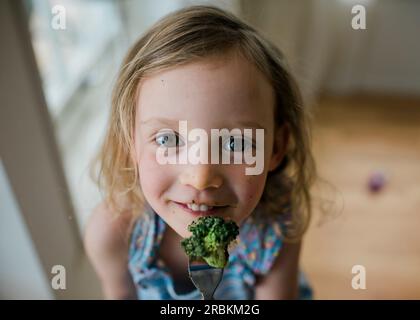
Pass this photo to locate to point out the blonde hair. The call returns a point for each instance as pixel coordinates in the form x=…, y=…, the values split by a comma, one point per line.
x=184, y=36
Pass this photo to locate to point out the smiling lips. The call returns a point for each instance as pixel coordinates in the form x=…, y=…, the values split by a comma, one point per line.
x=200, y=209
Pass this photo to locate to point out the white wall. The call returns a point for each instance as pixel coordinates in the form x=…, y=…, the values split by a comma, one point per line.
x=384, y=58
x=393, y=54
x=326, y=54
x=21, y=275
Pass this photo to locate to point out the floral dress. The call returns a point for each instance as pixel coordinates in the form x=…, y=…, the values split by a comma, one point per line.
x=258, y=245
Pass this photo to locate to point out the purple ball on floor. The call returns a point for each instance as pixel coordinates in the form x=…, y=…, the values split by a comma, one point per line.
x=377, y=181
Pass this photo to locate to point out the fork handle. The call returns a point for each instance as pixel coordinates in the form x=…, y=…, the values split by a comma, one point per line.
x=207, y=297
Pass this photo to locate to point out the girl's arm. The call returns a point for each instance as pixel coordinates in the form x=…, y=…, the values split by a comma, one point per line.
x=106, y=243
x=282, y=280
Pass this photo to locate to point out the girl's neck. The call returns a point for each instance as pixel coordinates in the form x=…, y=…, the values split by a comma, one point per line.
x=174, y=258
x=171, y=248
x=172, y=236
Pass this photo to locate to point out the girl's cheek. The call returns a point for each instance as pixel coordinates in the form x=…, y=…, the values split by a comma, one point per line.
x=154, y=177
x=249, y=188
x=254, y=186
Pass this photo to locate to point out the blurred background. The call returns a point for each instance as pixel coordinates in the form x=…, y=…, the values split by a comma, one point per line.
x=363, y=86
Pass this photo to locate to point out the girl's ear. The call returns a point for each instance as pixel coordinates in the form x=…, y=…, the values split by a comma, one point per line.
x=281, y=141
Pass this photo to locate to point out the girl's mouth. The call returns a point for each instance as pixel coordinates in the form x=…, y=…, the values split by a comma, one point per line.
x=201, y=209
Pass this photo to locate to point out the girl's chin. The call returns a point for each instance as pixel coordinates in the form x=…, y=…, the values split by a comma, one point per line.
x=184, y=235
x=179, y=229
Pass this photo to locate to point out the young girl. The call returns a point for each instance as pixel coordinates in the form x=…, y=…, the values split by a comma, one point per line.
x=204, y=66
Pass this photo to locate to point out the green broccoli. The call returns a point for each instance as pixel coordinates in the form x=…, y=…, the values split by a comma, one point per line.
x=210, y=238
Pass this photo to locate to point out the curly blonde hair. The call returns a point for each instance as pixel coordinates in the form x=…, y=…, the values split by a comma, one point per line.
x=185, y=36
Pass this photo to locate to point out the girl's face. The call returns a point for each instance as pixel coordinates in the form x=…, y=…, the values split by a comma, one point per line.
x=215, y=93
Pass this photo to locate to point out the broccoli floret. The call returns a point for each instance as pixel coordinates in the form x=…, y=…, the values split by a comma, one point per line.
x=210, y=238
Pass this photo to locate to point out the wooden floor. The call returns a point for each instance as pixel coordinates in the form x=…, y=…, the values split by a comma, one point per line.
x=354, y=137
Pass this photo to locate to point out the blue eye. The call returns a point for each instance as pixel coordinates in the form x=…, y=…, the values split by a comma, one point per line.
x=237, y=144
x=169, y=140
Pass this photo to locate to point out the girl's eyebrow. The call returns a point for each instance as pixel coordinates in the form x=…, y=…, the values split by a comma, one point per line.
x=173, y=122
x=250, y=124
x=165, y=121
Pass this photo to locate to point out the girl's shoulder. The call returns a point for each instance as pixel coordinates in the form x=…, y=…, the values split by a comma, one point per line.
x=106, y=240
x=107, y=228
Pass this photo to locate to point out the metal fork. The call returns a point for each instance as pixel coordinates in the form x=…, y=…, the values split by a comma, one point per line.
x=205, y=278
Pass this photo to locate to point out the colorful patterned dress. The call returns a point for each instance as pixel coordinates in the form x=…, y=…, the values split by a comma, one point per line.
x=258, y=244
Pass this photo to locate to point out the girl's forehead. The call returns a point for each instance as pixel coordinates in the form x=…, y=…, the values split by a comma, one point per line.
x=207, y=91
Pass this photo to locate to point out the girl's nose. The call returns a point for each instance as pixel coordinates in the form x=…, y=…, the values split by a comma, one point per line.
x=201, y=176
